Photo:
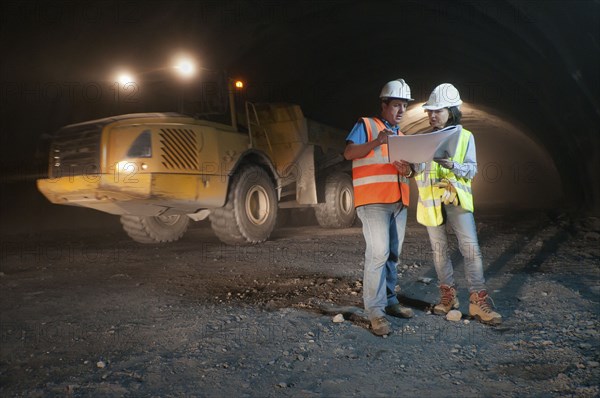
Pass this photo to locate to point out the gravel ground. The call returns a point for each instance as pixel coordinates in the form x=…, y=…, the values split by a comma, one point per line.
x=86, y=312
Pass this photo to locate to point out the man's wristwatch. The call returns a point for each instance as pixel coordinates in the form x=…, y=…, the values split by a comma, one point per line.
x=410, y=173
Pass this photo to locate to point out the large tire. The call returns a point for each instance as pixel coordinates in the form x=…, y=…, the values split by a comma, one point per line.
x=338, y=210
x=148, y=229
x=250, y=213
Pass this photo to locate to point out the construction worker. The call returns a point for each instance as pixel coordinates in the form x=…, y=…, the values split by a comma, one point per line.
x=445, y=197
x=381, y=194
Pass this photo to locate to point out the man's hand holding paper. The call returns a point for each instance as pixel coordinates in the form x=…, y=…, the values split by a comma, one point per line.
x=403, y=168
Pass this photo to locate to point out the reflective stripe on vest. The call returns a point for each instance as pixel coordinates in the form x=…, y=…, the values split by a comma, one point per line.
x=429, y=206
x=374, y=178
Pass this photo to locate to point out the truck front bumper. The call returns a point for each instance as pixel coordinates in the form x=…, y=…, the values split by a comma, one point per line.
x=144, y=195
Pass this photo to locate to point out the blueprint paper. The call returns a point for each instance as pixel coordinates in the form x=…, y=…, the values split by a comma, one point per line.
x=422, y=148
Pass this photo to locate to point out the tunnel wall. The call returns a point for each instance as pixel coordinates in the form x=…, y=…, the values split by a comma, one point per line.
x=514, y=171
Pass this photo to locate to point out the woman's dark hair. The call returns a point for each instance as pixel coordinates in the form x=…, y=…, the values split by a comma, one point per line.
x=455, y=116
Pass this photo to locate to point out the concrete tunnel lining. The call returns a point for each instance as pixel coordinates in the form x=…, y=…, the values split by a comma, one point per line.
x=514, y=171
x=535, y=61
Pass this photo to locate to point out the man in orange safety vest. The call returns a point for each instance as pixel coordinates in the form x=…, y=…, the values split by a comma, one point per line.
x=381, y=195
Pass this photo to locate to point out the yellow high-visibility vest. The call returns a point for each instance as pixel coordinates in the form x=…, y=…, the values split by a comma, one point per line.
x=429, y=206
x=374, y=178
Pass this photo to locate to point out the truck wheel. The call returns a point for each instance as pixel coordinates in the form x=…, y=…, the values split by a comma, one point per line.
x=338, y=210
x=148, y=229
x=251, y=210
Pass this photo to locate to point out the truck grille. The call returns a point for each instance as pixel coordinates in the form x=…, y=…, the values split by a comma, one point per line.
x=75, y=151
x=179, y=149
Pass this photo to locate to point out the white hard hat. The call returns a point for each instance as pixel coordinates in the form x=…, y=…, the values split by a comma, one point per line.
x=396, y=89
x=443, y=96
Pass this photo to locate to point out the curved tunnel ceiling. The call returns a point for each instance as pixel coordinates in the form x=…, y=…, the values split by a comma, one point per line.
x=533, y=64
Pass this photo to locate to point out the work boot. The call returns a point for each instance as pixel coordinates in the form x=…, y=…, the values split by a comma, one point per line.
x=380, y=326
x=448, y=300
x=479, y=308
x=399, y=311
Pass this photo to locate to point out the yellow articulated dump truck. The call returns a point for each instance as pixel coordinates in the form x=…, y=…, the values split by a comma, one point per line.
x=158, y=171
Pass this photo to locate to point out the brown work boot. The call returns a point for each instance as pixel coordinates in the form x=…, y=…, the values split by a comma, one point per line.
x=448, y=300
x=399, y=311
x=380, y=326
x=479, y=308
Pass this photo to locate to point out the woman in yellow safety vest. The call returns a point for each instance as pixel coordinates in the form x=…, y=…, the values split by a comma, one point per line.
x=445, y=196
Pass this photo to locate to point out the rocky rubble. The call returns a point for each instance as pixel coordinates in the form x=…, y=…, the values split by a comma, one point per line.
x=286, y=319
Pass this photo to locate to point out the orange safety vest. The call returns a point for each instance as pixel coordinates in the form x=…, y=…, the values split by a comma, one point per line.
x=374, y=178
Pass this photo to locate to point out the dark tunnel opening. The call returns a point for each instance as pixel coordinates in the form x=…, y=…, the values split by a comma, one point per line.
x=531, y=67
x=514, y=171
x=94, y=304
x=533, y=64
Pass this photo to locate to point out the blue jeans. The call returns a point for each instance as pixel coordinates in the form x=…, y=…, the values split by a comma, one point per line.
x=383, y=228
x=463, y=224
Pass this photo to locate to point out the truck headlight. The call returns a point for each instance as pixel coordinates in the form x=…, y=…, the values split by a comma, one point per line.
x=127, y=167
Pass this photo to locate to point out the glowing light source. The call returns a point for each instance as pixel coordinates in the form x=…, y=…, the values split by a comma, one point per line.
x=239, y=84
x=126, y=166
x=125, y=78
x=185, y=67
